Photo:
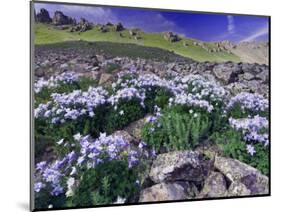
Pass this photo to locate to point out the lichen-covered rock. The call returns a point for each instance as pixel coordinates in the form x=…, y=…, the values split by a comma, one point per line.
x=237, y=171
x=168, y=191
x=179, y=165
x=215, y=186
x=238, y=189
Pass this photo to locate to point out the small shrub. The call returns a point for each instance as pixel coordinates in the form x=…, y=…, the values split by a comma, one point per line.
x=156, y=96
x=125, y=113
x=105, y=183
x=45, y=93
x=176, y=130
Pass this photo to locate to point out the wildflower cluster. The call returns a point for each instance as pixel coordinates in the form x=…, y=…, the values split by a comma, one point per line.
x=127, y=94
x=252, y=130
x=72, y=105
x=255, y=126
x=248, y=101
x=55, y=81
x=92, y=152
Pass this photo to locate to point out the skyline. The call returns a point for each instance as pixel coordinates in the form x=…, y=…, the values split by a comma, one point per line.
x=235, y=28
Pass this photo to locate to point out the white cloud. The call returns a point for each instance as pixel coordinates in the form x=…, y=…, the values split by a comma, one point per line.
x=95, y=14
x=230, y=24
x=260, y=32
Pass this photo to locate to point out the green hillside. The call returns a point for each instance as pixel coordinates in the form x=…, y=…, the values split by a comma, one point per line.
x=48, y=34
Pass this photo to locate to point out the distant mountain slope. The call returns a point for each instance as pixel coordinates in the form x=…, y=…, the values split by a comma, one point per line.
x=252, y=52
x=196, y=50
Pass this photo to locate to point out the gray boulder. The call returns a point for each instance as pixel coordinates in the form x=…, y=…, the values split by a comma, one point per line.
x=248, y=76
x=263, y=76
x=135, y=128
x=237, y=171
x=224, y=73
x=214, y=186
x=179, y=165
x=238, y=189
x=168, y=191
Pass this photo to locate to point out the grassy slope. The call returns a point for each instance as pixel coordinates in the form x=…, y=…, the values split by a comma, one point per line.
x=45, y=34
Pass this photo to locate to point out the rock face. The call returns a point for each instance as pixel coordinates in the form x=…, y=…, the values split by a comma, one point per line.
x=43, y=16
x=167, y=191
x=61, y=19
x=179, y=165
x=238, y=172
x=172, y=37
x=215, y=186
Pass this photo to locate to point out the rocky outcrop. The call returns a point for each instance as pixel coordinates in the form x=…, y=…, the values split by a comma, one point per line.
x=119, y=27
x=238, y=172
x=179, y=165
x=168, y=191
x=43, y=16
x=172, y=37
x=61, y=19
x=82, y=26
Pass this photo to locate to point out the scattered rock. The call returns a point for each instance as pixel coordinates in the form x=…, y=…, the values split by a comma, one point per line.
x=263, y=76
x=237, y=171
x=248, y=76
x=223, y=73
x=179, y=165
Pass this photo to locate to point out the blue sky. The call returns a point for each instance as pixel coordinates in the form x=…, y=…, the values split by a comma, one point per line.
x=205, y=27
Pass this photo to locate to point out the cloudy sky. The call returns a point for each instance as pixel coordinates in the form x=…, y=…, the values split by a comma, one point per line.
x=205, y=27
